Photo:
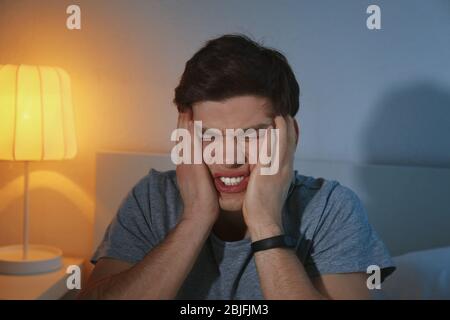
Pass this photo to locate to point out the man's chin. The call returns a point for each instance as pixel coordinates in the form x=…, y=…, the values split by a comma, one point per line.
x=231, y=202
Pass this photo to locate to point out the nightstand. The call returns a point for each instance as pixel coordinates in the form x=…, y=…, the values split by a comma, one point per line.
x=44, y=286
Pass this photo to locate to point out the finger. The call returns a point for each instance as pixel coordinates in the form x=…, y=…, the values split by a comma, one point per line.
x=281, y=124
x=190, y=114
x=291, y=133
x=265, y=147
x=184, y=123
x=183, y=120
x=181, y=124
x=196, y=143
x=190, y=127
x=262, y=141
x=179, y=119
x=276, y=147
x=269, y=154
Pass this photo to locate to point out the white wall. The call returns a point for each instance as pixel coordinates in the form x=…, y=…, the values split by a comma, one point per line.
x=353, y=80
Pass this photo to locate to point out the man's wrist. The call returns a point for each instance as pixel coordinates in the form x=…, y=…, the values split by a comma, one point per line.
x=197, y=222
x=281, y=241
x=264, y=231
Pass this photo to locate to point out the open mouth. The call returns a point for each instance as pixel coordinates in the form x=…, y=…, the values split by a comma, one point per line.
x=231, y=182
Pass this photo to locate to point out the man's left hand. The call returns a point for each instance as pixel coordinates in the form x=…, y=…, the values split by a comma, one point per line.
x=266, y=194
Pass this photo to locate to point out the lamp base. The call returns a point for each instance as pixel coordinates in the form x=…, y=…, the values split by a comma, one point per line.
x=40, y=259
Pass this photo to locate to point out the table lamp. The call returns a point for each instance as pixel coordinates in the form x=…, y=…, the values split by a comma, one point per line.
x=36, y=123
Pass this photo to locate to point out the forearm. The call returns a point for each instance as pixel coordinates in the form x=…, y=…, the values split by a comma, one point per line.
x=163, y=270
x=281, y=274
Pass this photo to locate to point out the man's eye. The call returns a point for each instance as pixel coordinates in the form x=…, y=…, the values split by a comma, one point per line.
x=262, y=133
x=207, y=137
x=211, y=136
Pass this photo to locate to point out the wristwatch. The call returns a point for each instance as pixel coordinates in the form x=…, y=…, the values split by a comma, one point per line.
x=281, y=241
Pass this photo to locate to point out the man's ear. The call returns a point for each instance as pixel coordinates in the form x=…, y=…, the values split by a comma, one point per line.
x=297, y=131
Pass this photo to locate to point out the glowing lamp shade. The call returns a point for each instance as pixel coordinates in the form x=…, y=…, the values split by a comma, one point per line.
x=36, y=114
x=36, y=123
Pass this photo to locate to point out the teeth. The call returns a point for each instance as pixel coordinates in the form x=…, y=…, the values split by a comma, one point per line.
x=231, y=181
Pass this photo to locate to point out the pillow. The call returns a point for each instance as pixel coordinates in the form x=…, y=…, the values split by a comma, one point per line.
x=419, y=275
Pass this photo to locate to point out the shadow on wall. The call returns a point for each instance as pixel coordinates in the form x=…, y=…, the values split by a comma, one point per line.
x=411, y=126
x=410, y=129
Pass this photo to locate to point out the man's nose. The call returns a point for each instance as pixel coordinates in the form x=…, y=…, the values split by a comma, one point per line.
x=236, y=157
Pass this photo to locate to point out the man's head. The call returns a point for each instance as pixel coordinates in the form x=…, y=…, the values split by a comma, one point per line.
x=230, y=83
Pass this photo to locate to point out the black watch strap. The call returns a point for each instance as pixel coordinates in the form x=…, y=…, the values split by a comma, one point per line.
x=281, y=241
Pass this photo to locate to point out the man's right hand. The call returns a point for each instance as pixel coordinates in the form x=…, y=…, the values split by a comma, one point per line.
x=195, y=183
x=165, y=267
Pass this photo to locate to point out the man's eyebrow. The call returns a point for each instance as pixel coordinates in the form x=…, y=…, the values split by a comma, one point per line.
x=255, y=127
x=259, y=126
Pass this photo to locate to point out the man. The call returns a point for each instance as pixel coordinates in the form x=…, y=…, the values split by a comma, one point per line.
x=225, y=231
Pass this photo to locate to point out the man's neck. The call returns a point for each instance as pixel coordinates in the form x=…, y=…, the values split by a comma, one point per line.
x=230, y=226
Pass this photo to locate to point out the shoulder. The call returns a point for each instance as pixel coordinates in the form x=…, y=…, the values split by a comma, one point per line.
x=322, y=186
x=323, y=191
x=319, y=201
x=153, y=187
x=158, y=198
x=163, y=179
x=335, y=233
x=164, y=197
x=163, y=182
x=143, y=219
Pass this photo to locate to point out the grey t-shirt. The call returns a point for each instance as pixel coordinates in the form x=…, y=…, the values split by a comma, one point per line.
x=327, y=220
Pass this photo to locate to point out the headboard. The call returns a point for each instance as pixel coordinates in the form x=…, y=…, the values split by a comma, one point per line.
x=408, y=206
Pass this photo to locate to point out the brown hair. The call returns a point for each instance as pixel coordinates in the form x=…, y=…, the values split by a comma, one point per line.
x=234, y=65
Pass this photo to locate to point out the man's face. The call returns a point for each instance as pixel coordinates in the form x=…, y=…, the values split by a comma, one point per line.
x=241, y=112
